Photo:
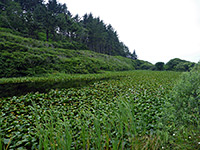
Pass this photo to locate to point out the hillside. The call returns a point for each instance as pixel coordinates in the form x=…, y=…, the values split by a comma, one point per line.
x=52, y=21
x=39, y=37
x=22, y=56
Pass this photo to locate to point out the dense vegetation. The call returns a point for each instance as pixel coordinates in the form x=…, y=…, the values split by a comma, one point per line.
x=156, y=109
x=123, y=111
x=38, y=38
x=177, y=64
x=52, y=21
x=21, y=56
x=139, y=110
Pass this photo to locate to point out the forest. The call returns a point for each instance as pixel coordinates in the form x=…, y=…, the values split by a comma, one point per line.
x=34, y=19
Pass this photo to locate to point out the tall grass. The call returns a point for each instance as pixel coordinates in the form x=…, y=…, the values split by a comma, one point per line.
x=180, y=119
x=62, y=77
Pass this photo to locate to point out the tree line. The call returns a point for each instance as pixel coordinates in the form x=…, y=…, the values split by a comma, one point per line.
x=53, y=20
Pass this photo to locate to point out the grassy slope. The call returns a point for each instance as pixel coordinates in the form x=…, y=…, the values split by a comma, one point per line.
x=21, y=56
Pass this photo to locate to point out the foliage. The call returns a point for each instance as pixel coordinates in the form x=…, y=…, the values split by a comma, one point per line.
x=143, y=65
x=25, y=56
x=10, y=37
x=181, y=114
x=185, y=66
x=11, y=15
x=186, y=98
x=160, y=66
x=177, y=64
x=54, y=22
x=103, y=38
x=91, y=117
x=35, y=62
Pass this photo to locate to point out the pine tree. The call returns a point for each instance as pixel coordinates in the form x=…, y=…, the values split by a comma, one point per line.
x=134, y=56
x=29, y=5
x=51, y=17
x=12, y=16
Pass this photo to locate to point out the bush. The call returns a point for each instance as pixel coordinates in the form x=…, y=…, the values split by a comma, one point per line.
x=11, y=47
x=180, y=121
x=184, y=66
x=177, y=64
x=185, y=99
x=20, y=56
x=160, y=66
x=143, y=65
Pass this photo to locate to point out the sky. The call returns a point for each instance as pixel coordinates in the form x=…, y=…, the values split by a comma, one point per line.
x=158, y=30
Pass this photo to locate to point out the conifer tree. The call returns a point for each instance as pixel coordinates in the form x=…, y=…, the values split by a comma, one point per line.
x=29, y=5
x=134, y=55
x=52, y=18
x=11, y=15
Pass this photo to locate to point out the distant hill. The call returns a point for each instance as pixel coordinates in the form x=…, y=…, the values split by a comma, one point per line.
x=177, y=64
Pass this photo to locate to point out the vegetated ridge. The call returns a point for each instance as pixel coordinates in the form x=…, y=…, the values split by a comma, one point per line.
x=38, y=38
x=22, y=56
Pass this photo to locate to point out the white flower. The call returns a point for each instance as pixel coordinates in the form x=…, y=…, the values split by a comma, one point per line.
x=199, y=143
x=174, y=134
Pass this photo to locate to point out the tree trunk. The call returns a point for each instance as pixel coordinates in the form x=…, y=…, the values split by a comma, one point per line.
x=47, y=35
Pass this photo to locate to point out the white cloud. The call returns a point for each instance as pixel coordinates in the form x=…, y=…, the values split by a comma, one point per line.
x=158, y=30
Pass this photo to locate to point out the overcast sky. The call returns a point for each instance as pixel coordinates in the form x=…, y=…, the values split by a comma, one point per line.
x=158, y=30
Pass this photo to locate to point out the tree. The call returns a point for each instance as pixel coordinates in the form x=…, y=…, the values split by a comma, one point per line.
x=134, y=56
x=51, y=17
x=43, y=19
x=3, y=4
x=29, y=5
x=12, y=16
x=177, y=64
x=171, y=65
x=102, y=38
x=184, y=66
x=159, y=66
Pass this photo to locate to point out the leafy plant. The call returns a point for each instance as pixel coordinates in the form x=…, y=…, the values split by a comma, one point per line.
x=119, y=113
x=181, y=114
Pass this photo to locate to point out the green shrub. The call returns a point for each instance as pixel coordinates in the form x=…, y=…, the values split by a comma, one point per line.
x=187, y=98
x=183, y=105
x=160, y=66
x=11, y=47
x=177, y=64
x=184, y=66
x=180, y=123
x=142, y=65
x=20, y=56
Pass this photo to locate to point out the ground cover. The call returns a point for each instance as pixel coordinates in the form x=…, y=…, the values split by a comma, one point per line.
x=112, y=114
x=23, y=85
x=20, y=56
x=62, y=77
